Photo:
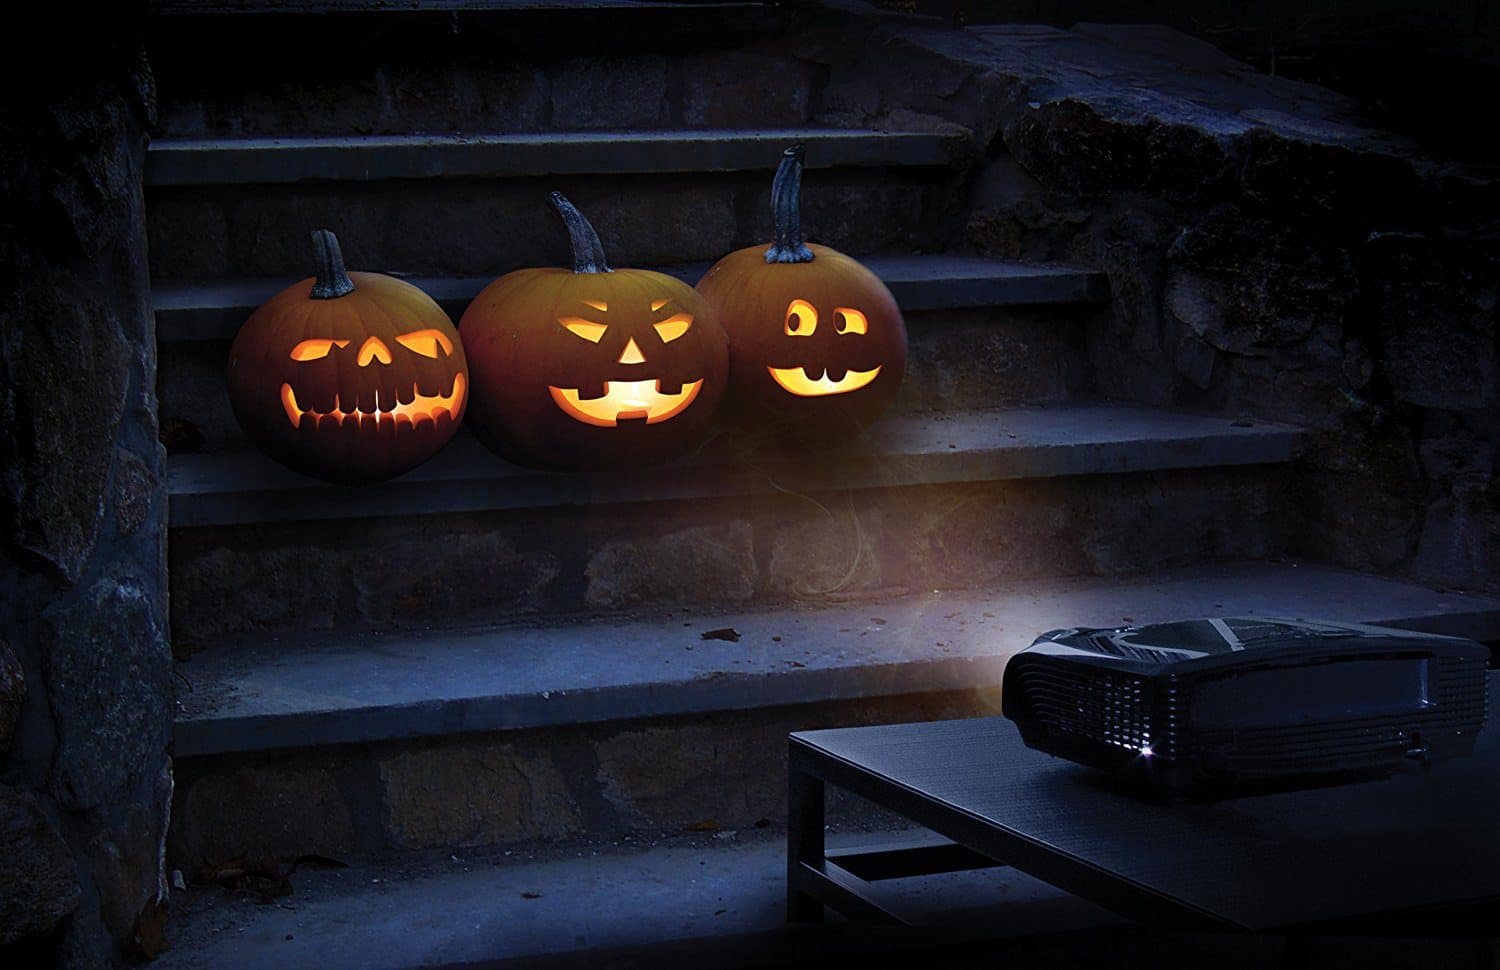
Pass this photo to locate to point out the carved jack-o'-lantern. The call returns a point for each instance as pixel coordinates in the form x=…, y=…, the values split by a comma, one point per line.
x=592, y=367
x=816, y=340
x=352, y=377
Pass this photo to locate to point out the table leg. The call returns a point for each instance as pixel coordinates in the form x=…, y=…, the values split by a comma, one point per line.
x=804, y=843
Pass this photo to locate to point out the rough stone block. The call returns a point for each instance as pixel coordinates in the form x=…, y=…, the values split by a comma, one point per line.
x=412, y=579
x=1146, y=522
x=704, y=563
x=194, y=389
x=828, y=544
x=1246, y=285
x=39, y=880
x=126, y=864
x=66, y=375
x=219, y=589
x=989, y=358
x=107, y=667
x=740, y=89
x=1435, y=306
x=474, y=793
x=653, y=222
x=610, y=92
x=188, y=236
x=12, y=696
x=968, y=535
x=281, y=809
x=731, y=772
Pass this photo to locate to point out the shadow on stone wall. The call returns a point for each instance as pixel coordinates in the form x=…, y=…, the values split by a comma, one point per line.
x=1270, y=254
x=85, y=675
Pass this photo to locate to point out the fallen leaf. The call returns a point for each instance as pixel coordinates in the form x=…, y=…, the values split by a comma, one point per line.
x=528, y=894
x=722, y=633
x=707, y=825
x=149, y=937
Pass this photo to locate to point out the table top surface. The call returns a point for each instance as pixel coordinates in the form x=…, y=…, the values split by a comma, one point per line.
x=1420, y=837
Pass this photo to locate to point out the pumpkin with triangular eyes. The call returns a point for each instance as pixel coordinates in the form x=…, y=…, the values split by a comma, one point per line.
x=592, y=367
x=817, y=344
x=351, y=377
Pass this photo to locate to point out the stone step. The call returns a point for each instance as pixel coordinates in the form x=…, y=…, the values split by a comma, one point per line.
x=357, y=746
x=247, y=488
x=479, y=226
x=539, y=66
x=951, y=500
x=178, y=162
x=681, y=900
x=188, y=312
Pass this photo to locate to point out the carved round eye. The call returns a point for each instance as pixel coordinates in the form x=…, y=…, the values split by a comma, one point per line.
x=801, y=319
x=314, y=349
x=426, y=342
x=587, y=329
x=673, y=327
x=846, y=320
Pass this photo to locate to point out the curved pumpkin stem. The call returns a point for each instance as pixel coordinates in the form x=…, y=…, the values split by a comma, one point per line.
x=588, y=251
x=786, y=210
x=333, y=280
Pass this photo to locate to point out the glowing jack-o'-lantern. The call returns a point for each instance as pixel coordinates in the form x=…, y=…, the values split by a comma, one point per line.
x=816, y=340
x=352, y=377
x=592, y=367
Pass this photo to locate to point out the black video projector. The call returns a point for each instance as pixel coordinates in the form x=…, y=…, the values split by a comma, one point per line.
x=1207, y=705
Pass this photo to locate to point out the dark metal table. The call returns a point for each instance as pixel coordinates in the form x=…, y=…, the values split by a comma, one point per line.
x=1422, y=841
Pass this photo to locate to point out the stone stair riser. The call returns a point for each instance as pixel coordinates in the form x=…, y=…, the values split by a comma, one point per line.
x=725, y=770
x=968, y=358
x=460, y=570
x=509, y=74
x=484, y=227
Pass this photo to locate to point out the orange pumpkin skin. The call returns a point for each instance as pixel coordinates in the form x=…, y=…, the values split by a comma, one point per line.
x=753, y=298
x=356, y=388
x=592, y=368
x=817, y=344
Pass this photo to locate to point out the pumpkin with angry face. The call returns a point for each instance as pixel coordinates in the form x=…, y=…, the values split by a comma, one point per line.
x=816, y=340
x=352, y=377
x=592, y=367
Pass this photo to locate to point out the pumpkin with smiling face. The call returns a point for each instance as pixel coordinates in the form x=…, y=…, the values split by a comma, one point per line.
x=592, y=367
x=817, y=343
x=351, y=377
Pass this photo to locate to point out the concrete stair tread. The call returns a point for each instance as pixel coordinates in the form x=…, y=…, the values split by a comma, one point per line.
x=238, y=161
x=215, y=309
x=957, y=446
x=264, y=693
x=684, y=901
x=189, y=7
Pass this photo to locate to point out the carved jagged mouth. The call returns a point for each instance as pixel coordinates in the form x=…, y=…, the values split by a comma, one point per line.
x=625, y=401
x=801, y=383
x=422, y=407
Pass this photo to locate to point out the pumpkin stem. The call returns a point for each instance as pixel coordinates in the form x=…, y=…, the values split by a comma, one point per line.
x=333, y=280
x=588, y=251
x=786, y=210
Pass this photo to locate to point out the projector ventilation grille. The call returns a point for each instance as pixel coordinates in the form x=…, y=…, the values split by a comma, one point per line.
x=1100, y=705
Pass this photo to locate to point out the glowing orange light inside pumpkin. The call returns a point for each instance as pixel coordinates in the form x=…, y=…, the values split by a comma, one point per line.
x=799, y=382
x=316, y=349
x=625, y=401
x=422, y=407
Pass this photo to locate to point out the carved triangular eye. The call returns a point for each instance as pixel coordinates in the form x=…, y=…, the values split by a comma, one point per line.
x=587, y=329
x=426, y=342
x=314, y=349
x=673, y=327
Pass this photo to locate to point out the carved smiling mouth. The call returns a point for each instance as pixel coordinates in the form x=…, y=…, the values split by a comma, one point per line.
x=422, y=407
x=624, y=401
x=801, y=383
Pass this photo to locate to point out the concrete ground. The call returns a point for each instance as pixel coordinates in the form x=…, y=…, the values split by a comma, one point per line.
x=707, y=900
